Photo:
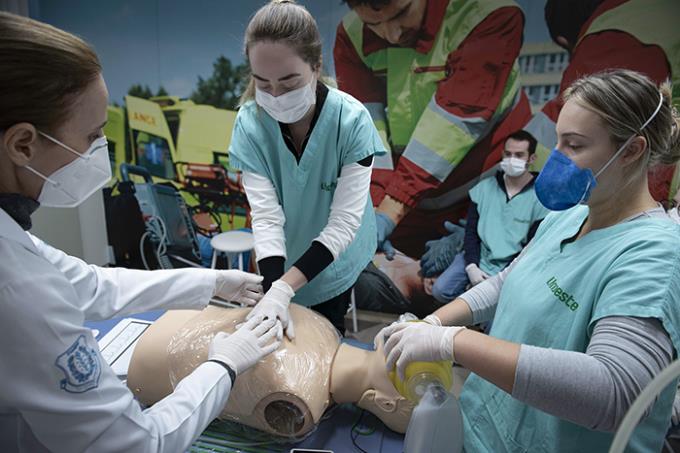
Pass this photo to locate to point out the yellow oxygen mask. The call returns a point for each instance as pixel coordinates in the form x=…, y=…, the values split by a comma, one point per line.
x=436, y=423
x=420, y=375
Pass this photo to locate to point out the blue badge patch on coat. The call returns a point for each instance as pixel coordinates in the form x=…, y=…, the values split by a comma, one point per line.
x=81, y=367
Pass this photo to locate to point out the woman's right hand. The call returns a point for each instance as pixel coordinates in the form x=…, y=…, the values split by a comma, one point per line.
x=418, y=342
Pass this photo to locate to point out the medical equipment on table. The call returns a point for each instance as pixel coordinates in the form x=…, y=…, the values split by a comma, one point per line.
x=168, y=222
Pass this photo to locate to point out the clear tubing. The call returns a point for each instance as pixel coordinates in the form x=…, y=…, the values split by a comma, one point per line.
x=632, y=418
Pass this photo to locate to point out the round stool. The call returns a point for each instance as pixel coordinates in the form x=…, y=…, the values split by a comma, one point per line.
x=231, y=243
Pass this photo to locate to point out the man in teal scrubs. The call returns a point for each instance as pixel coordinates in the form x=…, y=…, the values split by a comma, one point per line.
x=503, y=217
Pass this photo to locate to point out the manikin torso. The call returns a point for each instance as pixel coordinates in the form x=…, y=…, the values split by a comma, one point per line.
x=287, y=392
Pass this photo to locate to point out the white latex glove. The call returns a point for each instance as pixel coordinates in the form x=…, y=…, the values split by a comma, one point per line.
x=433, y=320
x=238, y=286
x=274, y=305
x=475, y=274
x=245, y=347
x=418, y=342
x=382, y=336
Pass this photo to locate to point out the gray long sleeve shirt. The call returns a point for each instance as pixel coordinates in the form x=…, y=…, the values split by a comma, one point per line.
x=596, y=388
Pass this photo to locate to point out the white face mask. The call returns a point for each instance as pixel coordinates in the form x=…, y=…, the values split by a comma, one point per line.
x=513, y=167
x=73, y=183
x=288, y=107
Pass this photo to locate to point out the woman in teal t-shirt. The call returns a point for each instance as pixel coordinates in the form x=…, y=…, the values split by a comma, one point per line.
x=306, y=152
x=588, y=313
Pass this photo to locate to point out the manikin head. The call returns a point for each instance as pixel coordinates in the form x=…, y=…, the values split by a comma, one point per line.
x=284, y=394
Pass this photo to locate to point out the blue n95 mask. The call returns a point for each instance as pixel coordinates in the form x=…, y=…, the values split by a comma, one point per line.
x=562, y=184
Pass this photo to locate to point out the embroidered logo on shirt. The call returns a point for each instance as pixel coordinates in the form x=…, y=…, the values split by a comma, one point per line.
x=561, y=295
x=81, y=367
x=329, y=186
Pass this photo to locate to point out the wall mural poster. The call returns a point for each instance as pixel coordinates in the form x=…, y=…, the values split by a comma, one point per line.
x=448, y=84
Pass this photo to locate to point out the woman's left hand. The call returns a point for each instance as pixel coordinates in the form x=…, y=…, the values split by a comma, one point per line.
x=274, y=305
x=417, y=342
x=238, y=286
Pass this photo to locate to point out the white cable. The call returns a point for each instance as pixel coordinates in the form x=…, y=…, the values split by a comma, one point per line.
x=141, y=250
x=186, y=261
x=160, y=250
x=162, y=235
x=157, y=229
x=632, y=418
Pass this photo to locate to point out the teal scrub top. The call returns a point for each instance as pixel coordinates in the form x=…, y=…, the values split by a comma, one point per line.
x=503, y=224
x=553, y=298
x=344, y=133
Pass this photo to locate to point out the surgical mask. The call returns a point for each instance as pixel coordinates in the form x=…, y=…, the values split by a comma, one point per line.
x=562, y=184
x=75, y=182
x=513, y=166
x=288, y=107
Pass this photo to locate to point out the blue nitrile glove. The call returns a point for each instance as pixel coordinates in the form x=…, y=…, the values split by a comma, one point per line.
x=439, y=253
x=384, y=226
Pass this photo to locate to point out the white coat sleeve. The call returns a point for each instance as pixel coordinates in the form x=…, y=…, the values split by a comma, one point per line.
x=267, y=215
x=347, y=208
x=56, y=380
x=107, y=292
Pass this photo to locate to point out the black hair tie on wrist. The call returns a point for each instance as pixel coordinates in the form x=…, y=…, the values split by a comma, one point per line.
x=232, y=373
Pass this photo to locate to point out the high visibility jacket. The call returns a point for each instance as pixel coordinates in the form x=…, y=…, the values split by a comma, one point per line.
x=443, y=107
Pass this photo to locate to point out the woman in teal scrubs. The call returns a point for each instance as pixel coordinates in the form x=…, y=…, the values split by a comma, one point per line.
x=306, y=152
x=588, y=313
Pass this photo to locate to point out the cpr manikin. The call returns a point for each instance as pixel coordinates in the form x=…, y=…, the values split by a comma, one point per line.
x=286, y=393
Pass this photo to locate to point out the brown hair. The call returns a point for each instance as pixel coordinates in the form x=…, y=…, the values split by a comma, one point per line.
x=43, y=70
x=625, y=100
x=284, y=21
x=524, y=136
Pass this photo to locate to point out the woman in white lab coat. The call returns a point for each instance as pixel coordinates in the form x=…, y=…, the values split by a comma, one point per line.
x=58, y=393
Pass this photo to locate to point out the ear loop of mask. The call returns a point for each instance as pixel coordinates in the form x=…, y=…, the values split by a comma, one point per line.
x=65, y=146
x=45, y=178
x=585, y=192
x=625, y=145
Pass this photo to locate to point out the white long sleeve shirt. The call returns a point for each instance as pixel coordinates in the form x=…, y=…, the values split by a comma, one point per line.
x=347, y=209
x=58, y=393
